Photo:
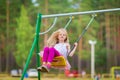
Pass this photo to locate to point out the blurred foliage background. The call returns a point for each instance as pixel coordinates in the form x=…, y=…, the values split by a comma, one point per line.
x=17, y=31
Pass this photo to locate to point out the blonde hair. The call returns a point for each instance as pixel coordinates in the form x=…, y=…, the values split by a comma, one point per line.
x=53, y=39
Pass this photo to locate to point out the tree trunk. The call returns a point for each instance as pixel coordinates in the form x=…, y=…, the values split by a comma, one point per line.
x=100, y=34
x=79, y=50
x=107, y=25
x=7, y=34
x=79, y=58
x=118, y=40
x=0, y=62
x=46, y=23
x=114, y=37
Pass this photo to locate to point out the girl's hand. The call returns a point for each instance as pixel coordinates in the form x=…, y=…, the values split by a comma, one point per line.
x=72, y=52
x=75, y=44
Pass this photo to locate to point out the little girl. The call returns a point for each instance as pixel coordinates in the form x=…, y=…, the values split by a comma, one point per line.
x=57, y=45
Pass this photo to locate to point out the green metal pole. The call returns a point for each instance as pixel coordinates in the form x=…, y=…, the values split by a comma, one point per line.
x=28, y=59
x=37, y=42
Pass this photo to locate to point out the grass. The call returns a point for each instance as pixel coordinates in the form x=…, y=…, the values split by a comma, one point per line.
x=15, y=78
x=45, y=77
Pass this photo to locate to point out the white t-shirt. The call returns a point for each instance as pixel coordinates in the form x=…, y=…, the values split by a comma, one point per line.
x=62, y=49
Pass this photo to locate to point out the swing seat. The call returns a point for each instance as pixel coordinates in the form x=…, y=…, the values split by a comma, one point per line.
x=59, y=62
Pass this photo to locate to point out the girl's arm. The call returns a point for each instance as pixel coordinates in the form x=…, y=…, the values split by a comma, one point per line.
x=72, y=52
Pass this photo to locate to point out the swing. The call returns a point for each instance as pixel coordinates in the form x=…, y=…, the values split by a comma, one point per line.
x=59, y=61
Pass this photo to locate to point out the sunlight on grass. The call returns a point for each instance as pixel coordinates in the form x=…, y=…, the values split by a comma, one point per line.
x=55, y=78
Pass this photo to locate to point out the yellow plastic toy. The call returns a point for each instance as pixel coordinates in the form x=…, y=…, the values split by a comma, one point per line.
x=59, y=62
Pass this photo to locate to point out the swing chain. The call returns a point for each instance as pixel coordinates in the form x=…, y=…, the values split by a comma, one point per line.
x=55, y=20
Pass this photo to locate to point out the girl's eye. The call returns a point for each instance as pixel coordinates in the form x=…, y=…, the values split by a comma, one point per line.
x=62, y=34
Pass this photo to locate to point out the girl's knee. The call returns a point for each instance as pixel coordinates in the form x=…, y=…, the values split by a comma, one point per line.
x=46, y=48
x=51, y=48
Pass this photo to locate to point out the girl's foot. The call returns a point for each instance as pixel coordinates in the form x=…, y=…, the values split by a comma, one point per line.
x=44, y=68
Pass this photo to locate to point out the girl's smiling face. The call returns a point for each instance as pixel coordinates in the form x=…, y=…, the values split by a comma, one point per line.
x=62, y=36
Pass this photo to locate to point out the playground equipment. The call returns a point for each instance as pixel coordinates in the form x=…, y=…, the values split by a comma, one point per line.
x=92, y=43
x=115, y=72
x=36, y=39
x=59, y=62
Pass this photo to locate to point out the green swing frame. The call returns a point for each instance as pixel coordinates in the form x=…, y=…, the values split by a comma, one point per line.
x=38, y=27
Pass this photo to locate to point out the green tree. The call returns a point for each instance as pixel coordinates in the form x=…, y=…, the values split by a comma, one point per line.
x=24, y=35
x=9, y=10
x=106, y=33
x=2, y=31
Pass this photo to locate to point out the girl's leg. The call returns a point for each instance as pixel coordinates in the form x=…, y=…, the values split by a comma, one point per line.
x=48, y=57
x=45, y=54
x=52, y=53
